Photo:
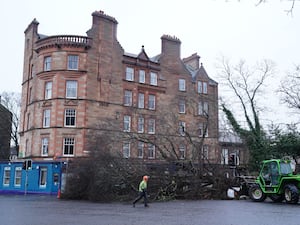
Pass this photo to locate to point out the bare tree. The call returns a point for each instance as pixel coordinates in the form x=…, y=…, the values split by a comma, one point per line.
x=247, y=84
x=12, y=101
x=289, y=11
x=290, y=89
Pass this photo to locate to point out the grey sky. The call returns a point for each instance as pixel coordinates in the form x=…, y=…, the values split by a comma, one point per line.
x=237, y=30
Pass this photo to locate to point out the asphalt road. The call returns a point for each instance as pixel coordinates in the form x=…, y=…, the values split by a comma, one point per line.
x=47, y=210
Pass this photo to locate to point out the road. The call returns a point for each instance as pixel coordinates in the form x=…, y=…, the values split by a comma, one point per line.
x=47, y=210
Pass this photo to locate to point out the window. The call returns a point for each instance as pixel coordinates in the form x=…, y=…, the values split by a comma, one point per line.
x=46, y=119
x=141, y=124
x=151, y=126
x=43, y=177
x=70, y=117
x=47, y=63
x=203, y=108
x=153, y=78
x=141, y=101
x=141, y=149
x=142, y=76
x=151, y=151
x=71, y=89
x=72, y=62
x=48, y=90
x=45, y=146
x=6, y=176
x=205, y=152
x=203, y=130
x=200, y=108
x=204, y=88
x=199, y=87
x=181, y=106
x=129, y=74
x=182, y=129
x=182, y=151
x=181, y=84
x=151, y=102
x=69, y=146
x=128, y=98
x=127, y=123
x=126, y=150
x=18, y=176
x=224, y=156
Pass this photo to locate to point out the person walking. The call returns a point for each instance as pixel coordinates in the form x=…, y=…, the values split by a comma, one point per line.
x=142, y=192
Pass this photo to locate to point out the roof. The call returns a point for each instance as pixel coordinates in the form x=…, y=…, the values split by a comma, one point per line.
x=201, y=72
x=229, y=137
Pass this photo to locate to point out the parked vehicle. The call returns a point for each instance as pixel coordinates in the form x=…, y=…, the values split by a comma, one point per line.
x=277, y=181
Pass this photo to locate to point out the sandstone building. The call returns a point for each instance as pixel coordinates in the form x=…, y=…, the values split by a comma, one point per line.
x=167, y=106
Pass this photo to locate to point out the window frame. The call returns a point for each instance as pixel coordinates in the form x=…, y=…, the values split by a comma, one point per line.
x=141, y=124
x=151, y=126
x=71, y=88
x=181, y=84
x=128, y=97
x=47, y=63
x=205, y=88
x=205, y=108
x=45, y=146
x=70, y=116
x=141, y=100
x=73, y=62
x=68, y=146
x=199, y=88
x=126, y=123
x=126, y=150
x=18, y=176
x=182, y=151
x=151, y=101
x=181, y=106
x=129, y=74
x=182, y=128
x=203, y=129
x=151, y=151
x=6, y=176
x=224, y=156
x=153, y=78
x=141, y=146
x=46, y=118
x=48, y=89
x=142, y=76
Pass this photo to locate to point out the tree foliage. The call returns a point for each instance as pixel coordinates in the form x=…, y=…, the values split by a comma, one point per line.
x=285, y=142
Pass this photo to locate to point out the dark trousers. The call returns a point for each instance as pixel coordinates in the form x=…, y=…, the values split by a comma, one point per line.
x=142, y=194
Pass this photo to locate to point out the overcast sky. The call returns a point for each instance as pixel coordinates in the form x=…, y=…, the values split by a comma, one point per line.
x=234, y=29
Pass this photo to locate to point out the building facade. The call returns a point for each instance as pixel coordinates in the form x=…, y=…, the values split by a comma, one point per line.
x=165, y=106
